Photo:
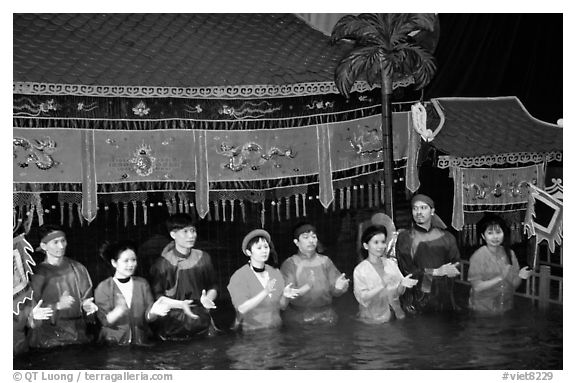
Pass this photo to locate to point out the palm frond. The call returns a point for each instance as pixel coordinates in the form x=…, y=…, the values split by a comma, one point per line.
x=361, y=29
x=362, y=61
x=408, y=24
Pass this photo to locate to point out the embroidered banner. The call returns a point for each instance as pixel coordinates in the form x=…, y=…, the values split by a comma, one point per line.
x=492, y=189
x=21, y=260
x=544, y=217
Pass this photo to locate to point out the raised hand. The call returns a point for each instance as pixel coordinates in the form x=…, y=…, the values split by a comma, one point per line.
x=65, y=302
x=342, y=282
x=270, y=286
x=185, y=306
x=409, y=282
x=89, y=306
x=206, y=301
x=524, y=272
x=41, y=313
x=289, y=292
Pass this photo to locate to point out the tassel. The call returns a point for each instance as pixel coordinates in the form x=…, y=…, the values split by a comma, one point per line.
x=275, y=206
x=125, y=208
x=232, y=210
x=223, y=209
x=243, y=211
x=355, y=197
x=361, y=199
x=370, y=195
x=287, y=199
x=341, y=199
x=348, y=197
x=174, y=204
x=62, y=214
x=168, y=206
x=29, y=219
x=216, y=211
x=134, y=207
x=70, y=214
x=186, y=206
x=333, y=204
x=145, y=212
x=297, y=205
x=382, y=202
x=79, y=211
x=106, y=210
x=304, y=204
x=262, y=212
x=375, y=195
x=193, y=211
x=209, y=215
x=180, y=205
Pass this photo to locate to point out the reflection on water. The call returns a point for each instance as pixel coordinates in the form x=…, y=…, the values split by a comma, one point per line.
x=526, y=338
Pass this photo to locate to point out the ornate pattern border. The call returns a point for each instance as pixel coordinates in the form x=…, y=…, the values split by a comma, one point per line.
x=239, y=91
x=497, y=159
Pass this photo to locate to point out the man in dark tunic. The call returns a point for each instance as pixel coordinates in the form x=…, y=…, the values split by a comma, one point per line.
x=428, y=252
x=184, y=274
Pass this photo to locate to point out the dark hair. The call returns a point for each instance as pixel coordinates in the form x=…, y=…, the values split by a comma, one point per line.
x=179, y=221
x=297, y=231
x=256, y=239
x=367, y=235
x=111, y=251
x=490, y=220
x=44, y=230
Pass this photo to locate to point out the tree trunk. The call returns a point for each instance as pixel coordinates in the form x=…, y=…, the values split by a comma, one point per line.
x=387, y=144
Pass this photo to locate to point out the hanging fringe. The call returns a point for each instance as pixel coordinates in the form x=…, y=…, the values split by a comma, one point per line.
x=348, y=197
x=62, y=214
x=216, y=211
x=134, y=208
x=297, y=204
x=232, y=210
x=79, y=212
x=304, y=204
x=145, y=212
x=382, y=201
x=223, y=201
x=125, y=208
x=243, y=211
x=287, y=199
x=262, y=214
x=370, y=195
x=70, y=214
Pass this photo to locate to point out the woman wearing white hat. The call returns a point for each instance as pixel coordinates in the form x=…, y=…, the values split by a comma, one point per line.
x=257, y=290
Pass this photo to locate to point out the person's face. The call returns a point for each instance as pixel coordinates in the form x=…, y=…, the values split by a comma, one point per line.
x=376, y=246
x=422, y=213
x=307, y=242
x=126, y=264
x=494, y=236
x=56, y=247
x=259, y=251
x=185, y=237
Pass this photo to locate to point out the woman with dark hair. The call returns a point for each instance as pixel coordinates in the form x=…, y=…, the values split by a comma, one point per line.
x=257, y=290
x=494, y=271
x=378, y=283
x=125, y=302
x=63, y=285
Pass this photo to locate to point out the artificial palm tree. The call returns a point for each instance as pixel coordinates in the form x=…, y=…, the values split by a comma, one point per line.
x=387, y=48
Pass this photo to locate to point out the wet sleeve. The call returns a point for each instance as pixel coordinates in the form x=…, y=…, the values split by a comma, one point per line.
x=403, y=255
x=104, y=300
x=148, y=298
x=209, y=282
x=453, y=252
x=238, y=289
x=288, y=270
x=333, y=273
x=475, y=269
x=360, y=286
x=83, y=280
x=159, y=277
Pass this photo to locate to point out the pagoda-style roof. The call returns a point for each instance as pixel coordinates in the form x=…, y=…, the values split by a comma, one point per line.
x=487, y=131
x=185, y=55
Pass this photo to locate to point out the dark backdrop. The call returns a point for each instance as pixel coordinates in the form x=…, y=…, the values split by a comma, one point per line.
x=489, y=55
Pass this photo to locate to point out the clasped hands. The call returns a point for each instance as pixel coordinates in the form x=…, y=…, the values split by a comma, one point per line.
x=449, y=269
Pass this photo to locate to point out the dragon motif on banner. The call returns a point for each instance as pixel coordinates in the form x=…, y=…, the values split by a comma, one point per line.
x=366, y=141
x=251, y=155
x=26, y=107
x=249, y=110
x=38, y=152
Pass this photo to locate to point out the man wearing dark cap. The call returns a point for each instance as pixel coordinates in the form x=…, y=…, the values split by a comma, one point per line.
x=315, y=277
x=428, y=252
x=186, y=274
